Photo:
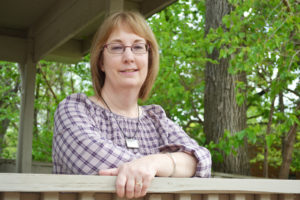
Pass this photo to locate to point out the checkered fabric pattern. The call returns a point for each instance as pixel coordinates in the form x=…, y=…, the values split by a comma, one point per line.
x=87, y=138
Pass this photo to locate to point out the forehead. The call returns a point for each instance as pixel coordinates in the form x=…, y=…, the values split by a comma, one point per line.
x=124, y=34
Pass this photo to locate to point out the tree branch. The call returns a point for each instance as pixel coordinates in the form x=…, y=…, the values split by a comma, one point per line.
x=288, y=148
x=47, y=82
x=287, y=4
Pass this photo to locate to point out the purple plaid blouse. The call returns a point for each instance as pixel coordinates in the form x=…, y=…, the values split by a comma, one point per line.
x=87, y=138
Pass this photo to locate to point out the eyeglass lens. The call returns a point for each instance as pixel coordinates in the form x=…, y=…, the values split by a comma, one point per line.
x=117, y=48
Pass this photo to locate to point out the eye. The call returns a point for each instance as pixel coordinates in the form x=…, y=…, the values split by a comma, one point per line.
x=116, y=47
x=139, y=47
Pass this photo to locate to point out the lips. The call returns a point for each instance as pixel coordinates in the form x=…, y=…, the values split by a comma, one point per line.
x=129, y=70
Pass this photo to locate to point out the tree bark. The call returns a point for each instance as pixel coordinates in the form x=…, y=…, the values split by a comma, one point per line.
x=288, y=149
x=268, y=132
x=221, y=111
x=4, y=124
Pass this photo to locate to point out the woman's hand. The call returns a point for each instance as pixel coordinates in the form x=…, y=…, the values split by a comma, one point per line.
x=133, y=178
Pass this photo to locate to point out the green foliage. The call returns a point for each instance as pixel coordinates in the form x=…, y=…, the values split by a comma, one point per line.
x=9, y=107
x=54, y=81
x=260, y=37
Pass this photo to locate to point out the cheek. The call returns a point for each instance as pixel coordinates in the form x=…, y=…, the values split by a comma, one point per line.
x=146, y=62
x=104, y=62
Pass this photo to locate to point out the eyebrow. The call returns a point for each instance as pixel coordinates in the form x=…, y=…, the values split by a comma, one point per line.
x=120, y=41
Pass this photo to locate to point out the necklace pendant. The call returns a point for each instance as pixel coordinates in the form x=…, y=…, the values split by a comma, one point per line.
x=132, y=143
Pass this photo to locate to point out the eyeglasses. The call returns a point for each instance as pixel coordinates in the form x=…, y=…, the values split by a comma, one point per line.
x=118, y=48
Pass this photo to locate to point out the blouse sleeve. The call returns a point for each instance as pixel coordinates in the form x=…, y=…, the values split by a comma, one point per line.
x=177, y=140
x=79, y=147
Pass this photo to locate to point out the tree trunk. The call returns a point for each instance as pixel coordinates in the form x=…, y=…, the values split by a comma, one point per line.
x=221, y=111
x=288, y=149
x=3, y=128
x=268, y=132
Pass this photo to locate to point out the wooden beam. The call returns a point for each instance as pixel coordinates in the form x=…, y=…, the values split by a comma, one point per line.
x=28, y=73
x=11, y=182
x=114, y=6
x=13, y=49
x=70, y=52
x=149, y=7
x=64, y=21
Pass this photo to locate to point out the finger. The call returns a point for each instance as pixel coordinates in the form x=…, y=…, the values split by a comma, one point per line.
x=120, y=185
x=109, y=172
x=138, y=188
x=146, y=184
x=130, y=188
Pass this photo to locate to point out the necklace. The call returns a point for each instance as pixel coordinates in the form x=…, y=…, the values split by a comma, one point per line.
x=131, y=142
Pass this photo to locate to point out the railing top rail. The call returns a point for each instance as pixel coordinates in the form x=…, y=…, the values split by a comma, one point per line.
x=11, y=182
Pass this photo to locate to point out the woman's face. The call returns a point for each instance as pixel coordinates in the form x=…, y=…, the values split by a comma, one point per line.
x=126, y=70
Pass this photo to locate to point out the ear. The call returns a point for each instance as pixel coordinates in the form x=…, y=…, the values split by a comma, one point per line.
x=100, y=65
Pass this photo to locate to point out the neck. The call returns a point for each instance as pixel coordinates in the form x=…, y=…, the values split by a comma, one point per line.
x=121, y=102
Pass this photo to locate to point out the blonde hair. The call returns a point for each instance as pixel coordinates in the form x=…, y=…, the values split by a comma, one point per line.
x=137, y=23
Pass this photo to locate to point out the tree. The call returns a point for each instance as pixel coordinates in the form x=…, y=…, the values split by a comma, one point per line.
x=255, y=43
x=221, y=110
x=10, y=88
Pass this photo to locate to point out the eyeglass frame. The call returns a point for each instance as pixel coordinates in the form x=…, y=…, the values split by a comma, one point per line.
x=124, y=48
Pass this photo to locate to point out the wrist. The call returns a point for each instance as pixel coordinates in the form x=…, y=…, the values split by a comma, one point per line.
x=173, y=163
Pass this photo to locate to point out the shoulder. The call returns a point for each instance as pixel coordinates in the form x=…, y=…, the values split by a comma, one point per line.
x=154, y=111
x=75, y=109
x=74, y=98
x=77, y=102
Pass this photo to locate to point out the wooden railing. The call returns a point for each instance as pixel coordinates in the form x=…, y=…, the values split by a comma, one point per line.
x=77, y=187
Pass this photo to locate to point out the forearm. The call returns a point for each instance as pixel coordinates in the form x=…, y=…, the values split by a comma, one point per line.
x=178, y=164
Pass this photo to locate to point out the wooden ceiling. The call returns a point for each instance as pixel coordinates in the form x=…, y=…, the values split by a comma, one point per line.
x=58, y=30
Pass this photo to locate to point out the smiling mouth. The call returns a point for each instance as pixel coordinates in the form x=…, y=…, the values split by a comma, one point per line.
x=130, y=70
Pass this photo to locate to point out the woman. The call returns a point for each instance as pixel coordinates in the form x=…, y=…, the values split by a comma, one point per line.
x=109, y=133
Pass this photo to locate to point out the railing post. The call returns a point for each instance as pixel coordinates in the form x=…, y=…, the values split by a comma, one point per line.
x=266, y=197
x=183, y=197
x=288, y=197
x=50, y=196
x=11, y=196
x=86, y=196
x=216, y=197
x=154, y=197
x=242, y=197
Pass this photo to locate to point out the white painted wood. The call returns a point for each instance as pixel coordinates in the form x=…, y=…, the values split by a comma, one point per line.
x=70, y=52
x=154, y=197
x=183, y=197
x=288, y=197
x=61, y=27
x=149, y=7
x=50, y=16
x=12, y=49
x=11, y=196
x=114, y=6
x=241, y=197
x=12, y=182
x=28, y=73
x=50, y=196
x=86, y=196
x=216, y=197
x=266, y=197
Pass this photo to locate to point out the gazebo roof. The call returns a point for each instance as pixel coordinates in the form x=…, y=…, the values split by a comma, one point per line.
x=58, y=30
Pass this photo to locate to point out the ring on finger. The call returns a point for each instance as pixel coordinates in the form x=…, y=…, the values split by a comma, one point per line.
x=139, y=184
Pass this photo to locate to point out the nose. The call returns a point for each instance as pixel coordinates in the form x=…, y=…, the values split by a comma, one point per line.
x=128, y=56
